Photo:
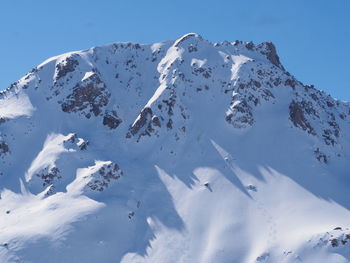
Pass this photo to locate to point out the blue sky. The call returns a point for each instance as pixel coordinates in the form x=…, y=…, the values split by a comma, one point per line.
x=312, y=36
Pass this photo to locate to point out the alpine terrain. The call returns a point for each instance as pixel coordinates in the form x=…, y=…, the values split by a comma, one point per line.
x=180, y=151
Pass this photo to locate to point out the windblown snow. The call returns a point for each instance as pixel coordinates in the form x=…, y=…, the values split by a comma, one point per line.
x=180, y=151
x=14, y=105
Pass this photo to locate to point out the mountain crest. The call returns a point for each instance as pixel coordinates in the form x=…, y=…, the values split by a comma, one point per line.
x=111, y=154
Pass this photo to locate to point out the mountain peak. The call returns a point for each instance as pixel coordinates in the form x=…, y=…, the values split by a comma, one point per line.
x=129, y=146
x=188, y=37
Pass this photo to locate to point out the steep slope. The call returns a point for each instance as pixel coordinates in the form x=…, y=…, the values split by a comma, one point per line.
x=181, y=151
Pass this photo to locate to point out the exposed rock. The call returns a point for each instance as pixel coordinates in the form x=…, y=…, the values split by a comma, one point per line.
x=143, y=119
x=74, y=141
x=251, y=188
x=328, y=137
x=296, y=115
x=240, y=115
x=169, y=124
x=205, y=72
x=156, y=121
x=87, y=98
x=111, y=119
x=290, y=82
x=263, y=257
x=321, y=157
x=271, y=54
x=73, y=138
x=103, y=177
x=49, y=176
x=83, y=145
x=131, y=214
x=4, y=148
x=170, y=103
x=250, y=46
x=192, y=48
x=51, y=190
x=63, y=68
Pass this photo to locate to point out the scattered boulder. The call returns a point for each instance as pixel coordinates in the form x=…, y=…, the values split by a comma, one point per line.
x=4, y=148
x=111, y=119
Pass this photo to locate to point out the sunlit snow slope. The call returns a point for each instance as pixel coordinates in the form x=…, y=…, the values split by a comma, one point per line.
x=181, y=151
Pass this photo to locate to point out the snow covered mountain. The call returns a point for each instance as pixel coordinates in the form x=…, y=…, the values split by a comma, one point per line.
x=180, y=151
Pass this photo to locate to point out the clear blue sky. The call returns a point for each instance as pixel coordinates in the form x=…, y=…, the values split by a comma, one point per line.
x=312, y=36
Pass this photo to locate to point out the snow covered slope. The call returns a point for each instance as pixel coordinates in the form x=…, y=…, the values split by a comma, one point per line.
x=181, y=151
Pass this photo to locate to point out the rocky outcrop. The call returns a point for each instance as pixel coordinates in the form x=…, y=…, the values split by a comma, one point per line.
x=104, y=176
x=144, y=120
x=74, y=142
x=111, y=119
x=87, y=98
x=4, y=148
x=240, y=115
x=66, y=66
x=271, y=54
x=320, y=156
x=337, y=237
x=297, y=116
x=49, y=176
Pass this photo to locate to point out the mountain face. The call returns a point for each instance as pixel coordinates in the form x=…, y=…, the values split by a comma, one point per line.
x=180, y=151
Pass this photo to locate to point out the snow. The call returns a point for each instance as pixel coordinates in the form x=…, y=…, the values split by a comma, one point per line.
x=47, y=157
x=15, y=105
x=224, y=176
x=87, y=75
x=238, y=61
x=27, y=218
x=83, y=177
x=155, y=47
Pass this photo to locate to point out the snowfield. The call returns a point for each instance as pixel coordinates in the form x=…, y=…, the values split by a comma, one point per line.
x=181, y=151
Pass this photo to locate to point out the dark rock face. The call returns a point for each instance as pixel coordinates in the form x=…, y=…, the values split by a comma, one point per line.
x=170, y=103
x=305, y=112
x=156, y=121
x=73, y=138
x=4, y=148
x=104, y=176
x=169, y=124
x=69, y=65
x=51, y=190
x=268, y=49
x=202, y=71
x=271, y=55
x=321, y=157
x=263, y=257
x=241, y=115
x=74, y=142
x=291, y=82
x=87, y=98
x=296, y=114
x=84, y=145
x=143, y=119
x=340, y=241
x=111, y=119
x=49, y=176
x=331, y=134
